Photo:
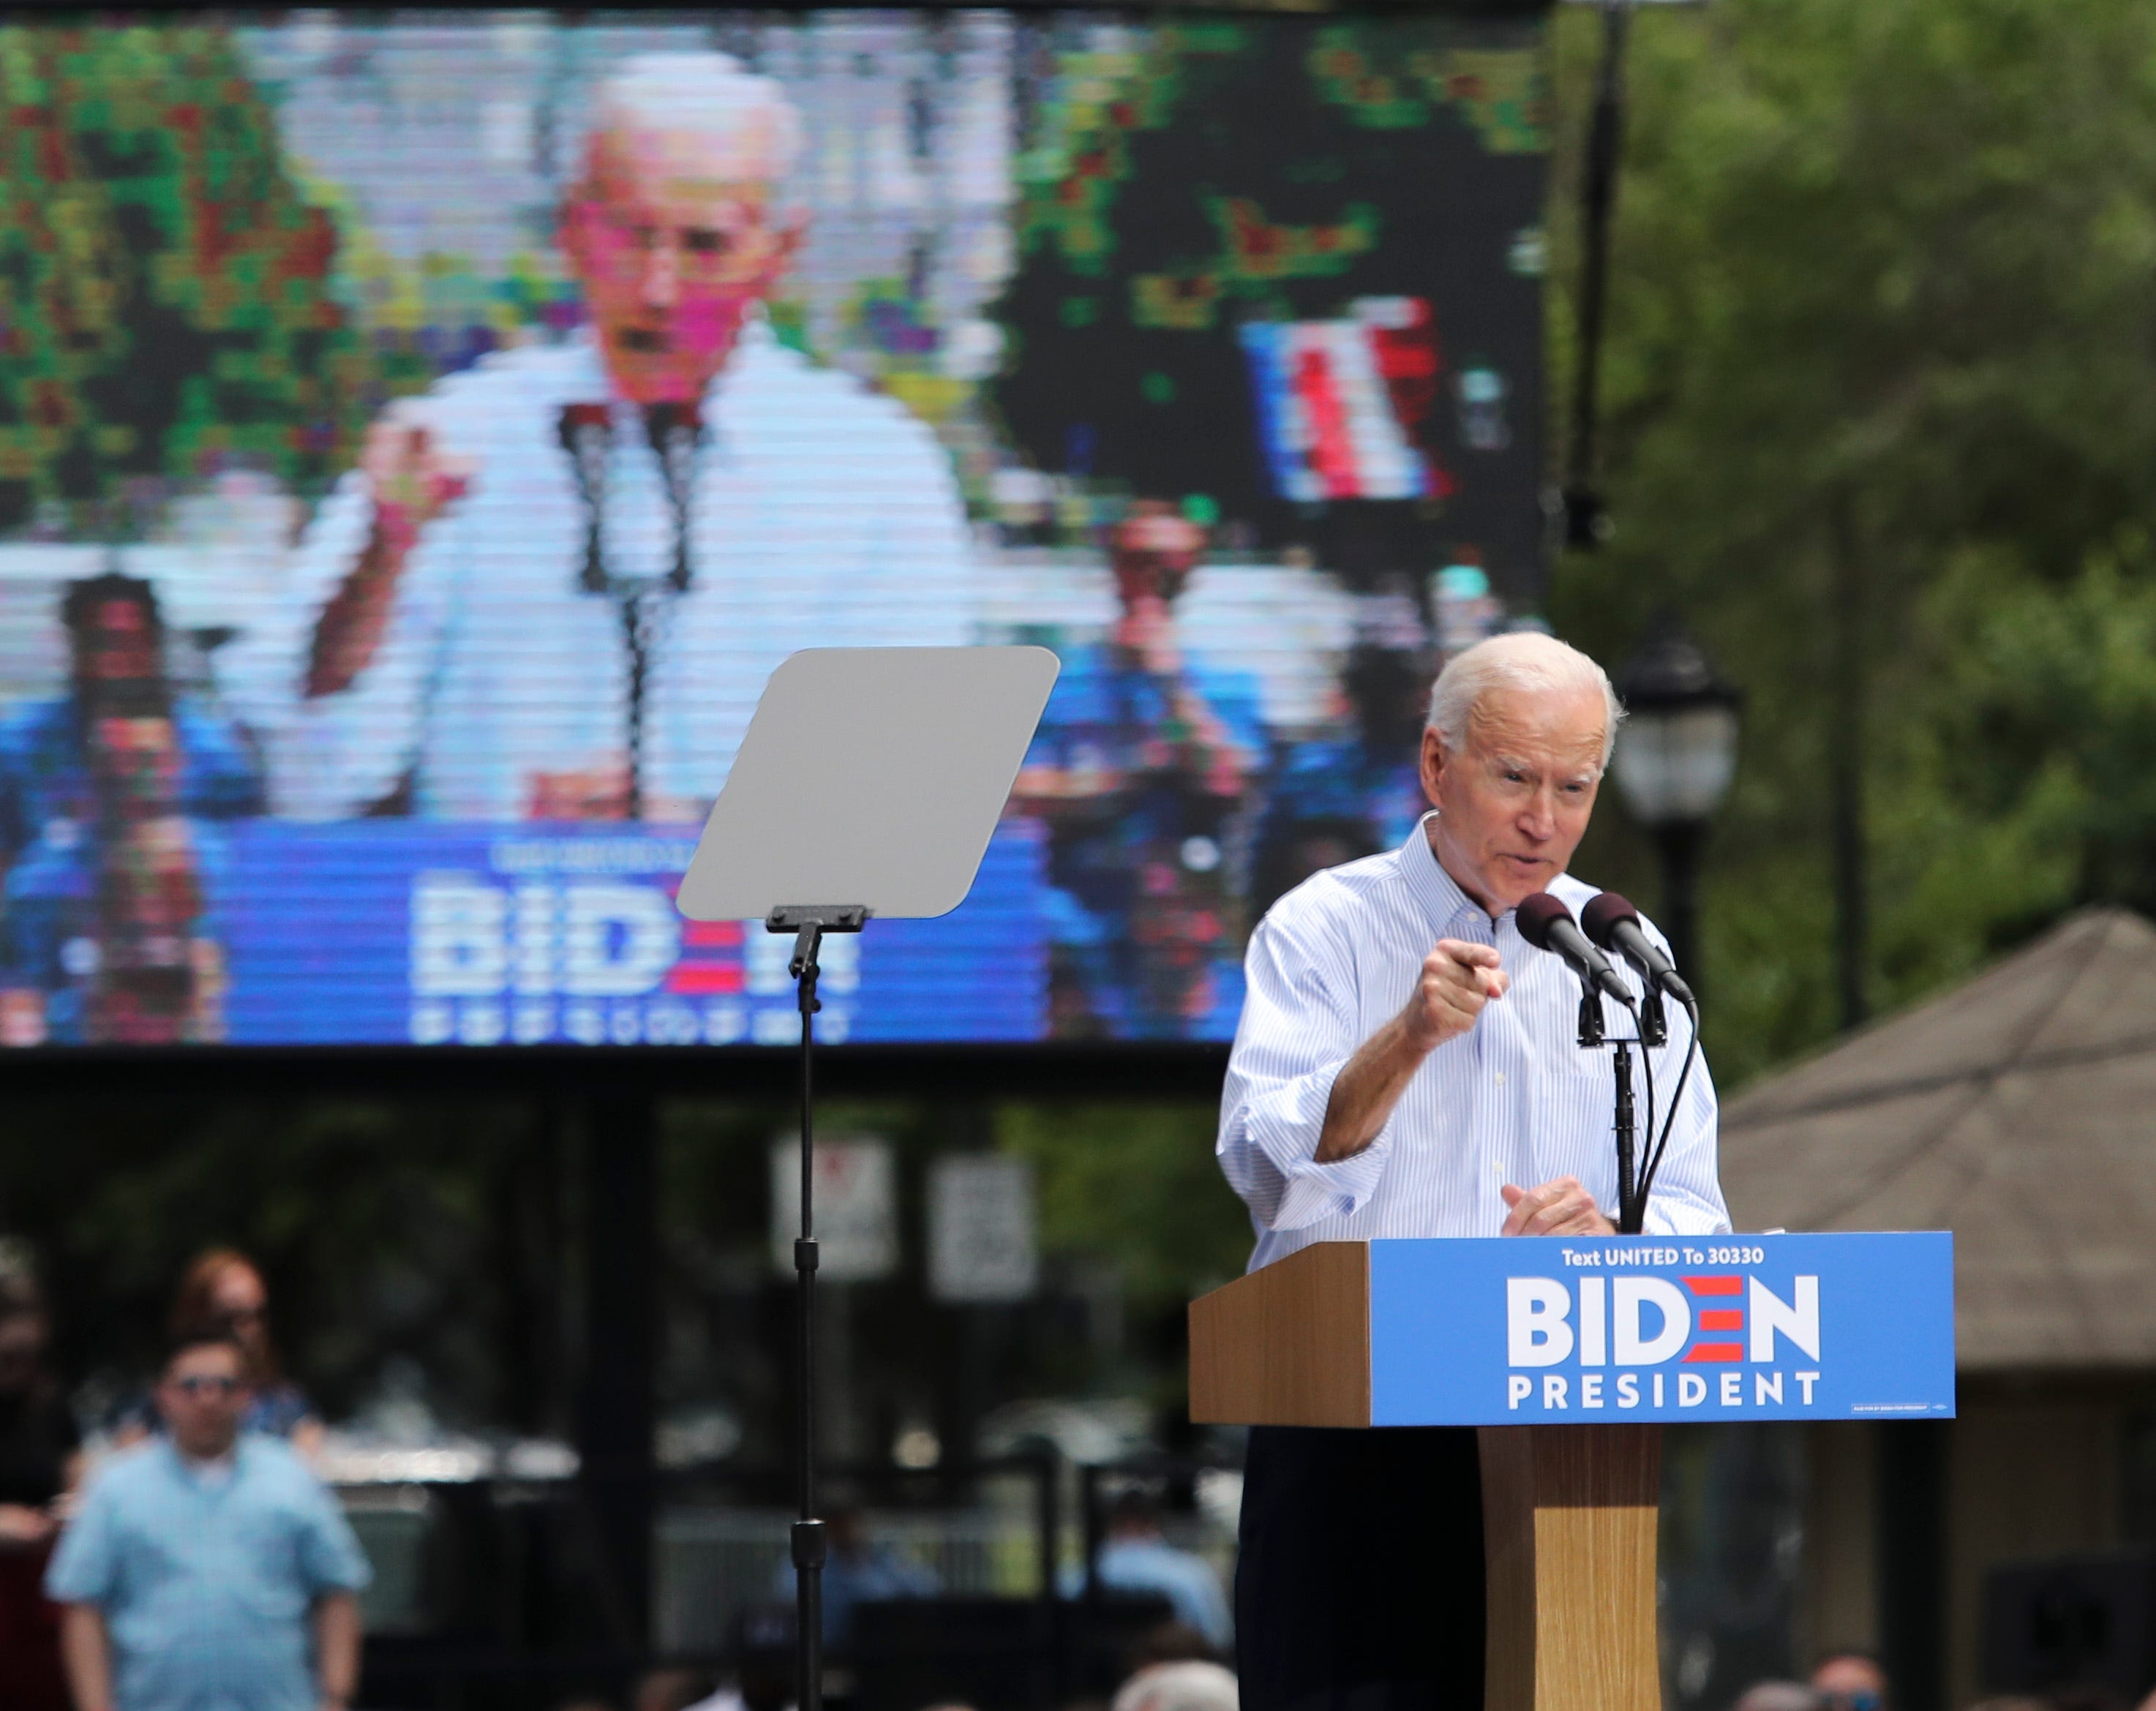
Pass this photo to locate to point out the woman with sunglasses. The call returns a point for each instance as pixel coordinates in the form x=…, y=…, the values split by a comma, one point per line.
x=221, y=1292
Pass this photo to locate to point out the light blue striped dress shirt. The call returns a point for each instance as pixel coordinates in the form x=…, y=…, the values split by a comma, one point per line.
x=1514, y=1100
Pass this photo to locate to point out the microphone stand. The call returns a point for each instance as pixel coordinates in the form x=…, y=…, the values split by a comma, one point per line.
x=675, y=430
x=1630, y=1212
x=1628, y=1209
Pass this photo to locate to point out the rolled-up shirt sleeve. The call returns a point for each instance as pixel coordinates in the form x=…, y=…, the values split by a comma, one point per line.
x=1299, y=1029
x=329, y=1555
x=85, y=1568
x=331, y=756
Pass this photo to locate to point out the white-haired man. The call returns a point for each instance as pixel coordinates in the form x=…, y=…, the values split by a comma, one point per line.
x=554, y=588
x=1407, y=1065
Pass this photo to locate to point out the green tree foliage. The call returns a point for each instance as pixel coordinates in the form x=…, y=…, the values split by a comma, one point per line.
x=420, y=1237
x=1137, y=1183
x=164, y=286
x=1884, y=331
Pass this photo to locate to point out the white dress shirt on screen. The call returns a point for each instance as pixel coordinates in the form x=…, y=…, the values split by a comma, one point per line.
x=823, y=516
x=1515, y=1100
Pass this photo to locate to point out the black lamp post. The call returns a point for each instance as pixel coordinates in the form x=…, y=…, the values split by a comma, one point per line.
x=1676, y=752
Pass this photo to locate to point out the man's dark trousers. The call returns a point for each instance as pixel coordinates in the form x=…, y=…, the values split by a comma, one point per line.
x=1359, y=1585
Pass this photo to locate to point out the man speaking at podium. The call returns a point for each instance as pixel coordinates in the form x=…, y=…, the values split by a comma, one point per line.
x=1407, y=1065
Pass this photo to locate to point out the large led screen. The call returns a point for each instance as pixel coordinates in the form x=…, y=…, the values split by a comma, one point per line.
x=421, y=434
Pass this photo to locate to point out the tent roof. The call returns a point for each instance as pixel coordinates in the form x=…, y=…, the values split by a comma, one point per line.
x=2018, y=1111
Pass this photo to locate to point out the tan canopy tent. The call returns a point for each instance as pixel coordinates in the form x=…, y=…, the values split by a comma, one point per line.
x=2018, y=1111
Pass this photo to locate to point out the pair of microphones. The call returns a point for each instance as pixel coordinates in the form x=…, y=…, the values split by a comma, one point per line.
x=1608, y=924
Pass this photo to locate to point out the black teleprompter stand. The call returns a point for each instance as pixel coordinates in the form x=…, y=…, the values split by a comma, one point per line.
x=809, y=923
x=922, y=745
x=1630, y=1212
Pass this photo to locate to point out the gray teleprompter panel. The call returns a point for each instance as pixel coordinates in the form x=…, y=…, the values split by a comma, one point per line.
x=871, y=776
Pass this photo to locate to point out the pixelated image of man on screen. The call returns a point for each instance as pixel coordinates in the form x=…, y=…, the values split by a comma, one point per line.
x=555, y=585
x=1142, y=770
x=108, y=797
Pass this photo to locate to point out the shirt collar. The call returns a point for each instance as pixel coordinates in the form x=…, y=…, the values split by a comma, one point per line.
x=210, y=1475
x=1442, y=899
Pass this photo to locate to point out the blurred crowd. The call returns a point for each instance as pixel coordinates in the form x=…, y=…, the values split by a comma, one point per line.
x=1172, y=1669
x=203, y=1551
x=1856, y=1681
x=202, y=1560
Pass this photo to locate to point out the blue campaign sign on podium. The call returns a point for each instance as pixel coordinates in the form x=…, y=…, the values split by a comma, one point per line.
x=1560, y=1330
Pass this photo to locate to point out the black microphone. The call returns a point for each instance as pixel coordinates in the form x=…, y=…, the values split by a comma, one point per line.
x=1613, y=924
x=585, y=430
x=674, y=429
x=1547, y=925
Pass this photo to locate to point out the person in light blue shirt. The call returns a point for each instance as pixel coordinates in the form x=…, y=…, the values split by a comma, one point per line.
x=1136, y=1558
x=208, y=1569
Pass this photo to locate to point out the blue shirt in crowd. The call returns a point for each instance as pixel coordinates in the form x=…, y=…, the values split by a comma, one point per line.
x=1153, y=1565
x=855, y=1577
x=205, y=1575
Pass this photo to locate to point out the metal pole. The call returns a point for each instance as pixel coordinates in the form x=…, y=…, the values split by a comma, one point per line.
x=1061, y=1679
x=1679, y=844
x=1913, y=1479
x=617, y=1403
x=807, y=1541
x=1606, y=139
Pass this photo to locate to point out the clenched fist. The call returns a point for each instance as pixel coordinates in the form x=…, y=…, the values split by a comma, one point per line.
x=1457, y=980
x=1561, y=1207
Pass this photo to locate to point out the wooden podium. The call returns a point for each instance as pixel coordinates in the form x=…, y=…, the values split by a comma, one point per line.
x=1569, y=1512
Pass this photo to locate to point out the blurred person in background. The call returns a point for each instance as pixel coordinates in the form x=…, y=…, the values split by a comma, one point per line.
x=40, y=1465
x=221, y=1292
x=208, y=1567
x=1144, y=763
x=1851, y=1680
x=1136, y=1557
x=1776, y=1696
x=759, y=1649
x=554, y=586
x=673, y=1689
x=107, y=796
x=1174, y=1641
x=857, y=1568
x=1188, y=1686
x=1358, y=790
